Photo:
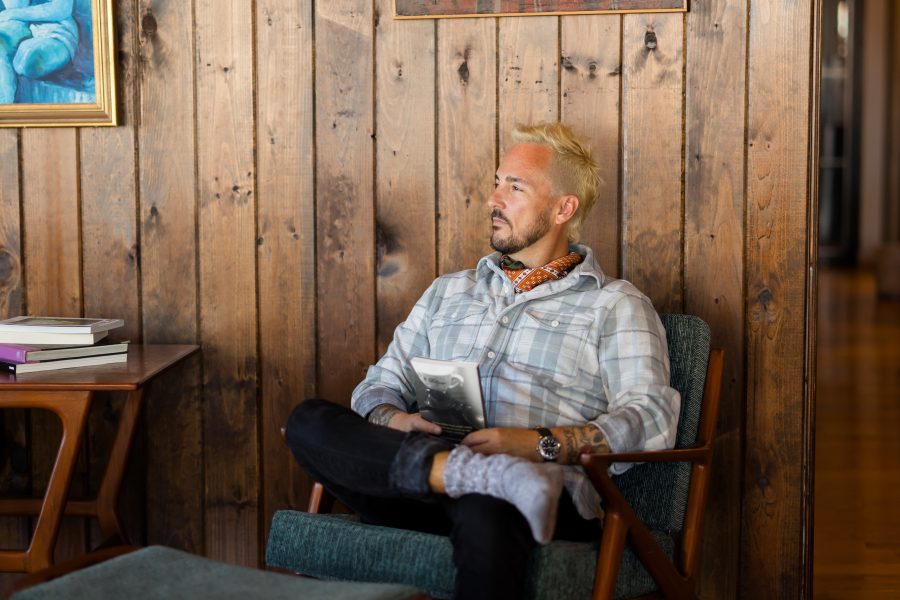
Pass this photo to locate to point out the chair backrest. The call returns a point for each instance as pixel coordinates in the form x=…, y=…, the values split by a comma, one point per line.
x=658, y=492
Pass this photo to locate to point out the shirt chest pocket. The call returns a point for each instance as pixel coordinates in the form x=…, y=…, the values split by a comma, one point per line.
x=551, y=344
x=454, y=330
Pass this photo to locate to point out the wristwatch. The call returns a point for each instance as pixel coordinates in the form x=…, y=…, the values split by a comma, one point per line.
x=548, y=446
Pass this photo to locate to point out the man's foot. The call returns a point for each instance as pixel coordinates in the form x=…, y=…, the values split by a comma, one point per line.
x=533, y=488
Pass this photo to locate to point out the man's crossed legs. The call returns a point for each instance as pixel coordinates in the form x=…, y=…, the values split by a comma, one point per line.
x=383, y=475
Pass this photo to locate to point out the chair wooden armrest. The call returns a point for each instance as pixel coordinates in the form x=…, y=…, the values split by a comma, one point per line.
x=691, y=454
x=675, y=581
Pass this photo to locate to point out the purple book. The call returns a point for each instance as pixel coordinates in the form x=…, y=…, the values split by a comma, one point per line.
x=15, y=353
x=21, y=354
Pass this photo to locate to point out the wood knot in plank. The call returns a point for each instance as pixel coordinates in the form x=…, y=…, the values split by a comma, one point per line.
x=153, y=220
x=463, y=72
x=295, y=235
x=8, y=269
x=768, y=313
x=650, y=41
x=149, y=25
x=386, y=245
x=463, y=69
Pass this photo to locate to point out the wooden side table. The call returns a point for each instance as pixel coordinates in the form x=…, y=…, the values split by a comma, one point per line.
x=68, y=393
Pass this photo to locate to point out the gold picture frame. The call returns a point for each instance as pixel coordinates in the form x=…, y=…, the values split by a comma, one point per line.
x=64, y=98
x=449, y=9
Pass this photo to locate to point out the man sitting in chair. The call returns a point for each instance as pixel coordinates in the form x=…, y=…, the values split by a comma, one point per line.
x=571, y=361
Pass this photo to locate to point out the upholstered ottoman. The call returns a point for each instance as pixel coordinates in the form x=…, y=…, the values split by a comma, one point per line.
x=159, y=573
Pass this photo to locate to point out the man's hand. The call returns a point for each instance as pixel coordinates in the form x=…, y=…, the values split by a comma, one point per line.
x=505, y=440
x=575, y=441
x=393, y=417
x=413, y=422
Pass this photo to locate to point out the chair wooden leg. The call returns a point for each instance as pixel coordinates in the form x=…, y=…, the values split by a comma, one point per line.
x=320, y=501
x=611, y=546
x=621, y=517
x=657, y=563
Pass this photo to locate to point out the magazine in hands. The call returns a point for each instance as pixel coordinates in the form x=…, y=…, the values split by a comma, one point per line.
x=449, y=394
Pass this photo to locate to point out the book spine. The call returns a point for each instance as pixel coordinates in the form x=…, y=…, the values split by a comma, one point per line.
x=10, y=367
x=11, y=354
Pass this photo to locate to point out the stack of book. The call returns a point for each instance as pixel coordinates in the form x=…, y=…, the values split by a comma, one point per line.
x=29, y=344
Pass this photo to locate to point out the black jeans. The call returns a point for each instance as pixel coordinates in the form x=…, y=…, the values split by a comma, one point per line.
x=382, y=475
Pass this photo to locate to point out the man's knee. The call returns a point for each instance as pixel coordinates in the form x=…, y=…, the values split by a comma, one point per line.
x=306, y=421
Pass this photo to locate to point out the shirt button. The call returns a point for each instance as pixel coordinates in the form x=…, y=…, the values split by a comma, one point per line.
x=505, y=320
x=555, y=323
x=491, y=354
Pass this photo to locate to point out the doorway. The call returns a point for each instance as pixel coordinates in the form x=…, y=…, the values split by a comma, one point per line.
x=856, y=536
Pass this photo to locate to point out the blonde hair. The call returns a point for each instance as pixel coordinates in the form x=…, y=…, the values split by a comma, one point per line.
x=573, y=171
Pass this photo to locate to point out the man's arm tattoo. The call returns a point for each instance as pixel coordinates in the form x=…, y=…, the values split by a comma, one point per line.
x=592, y=441
x=382, y=414
x=571, y=446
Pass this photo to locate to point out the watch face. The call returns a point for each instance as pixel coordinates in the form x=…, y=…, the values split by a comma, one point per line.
x=549, y=447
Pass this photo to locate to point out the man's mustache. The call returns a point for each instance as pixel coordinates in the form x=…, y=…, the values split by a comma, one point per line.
x=496, y=214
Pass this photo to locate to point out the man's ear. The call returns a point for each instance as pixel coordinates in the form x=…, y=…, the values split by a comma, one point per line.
x=566, y=208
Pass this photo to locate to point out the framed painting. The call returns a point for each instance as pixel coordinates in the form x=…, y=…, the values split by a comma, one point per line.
x=57, y=63
x=432, y=9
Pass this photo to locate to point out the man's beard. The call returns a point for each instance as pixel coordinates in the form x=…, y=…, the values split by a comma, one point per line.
x=516, y=243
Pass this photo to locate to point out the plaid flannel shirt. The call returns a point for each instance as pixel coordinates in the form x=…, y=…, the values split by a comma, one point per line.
x=586, y=349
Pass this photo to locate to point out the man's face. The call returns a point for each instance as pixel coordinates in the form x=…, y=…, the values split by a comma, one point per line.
x=522, y=202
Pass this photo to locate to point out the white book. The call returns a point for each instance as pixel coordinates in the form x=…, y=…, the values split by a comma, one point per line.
x=40, y=338
x=449, y=394
x=68, y=363
x=59, y=324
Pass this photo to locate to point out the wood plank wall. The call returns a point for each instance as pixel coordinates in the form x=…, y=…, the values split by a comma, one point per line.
x=290, y=176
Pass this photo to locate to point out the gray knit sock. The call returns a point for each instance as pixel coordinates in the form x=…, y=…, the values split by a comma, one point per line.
x=533, y=488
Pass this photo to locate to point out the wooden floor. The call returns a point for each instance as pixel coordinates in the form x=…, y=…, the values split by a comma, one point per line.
x=857, y=479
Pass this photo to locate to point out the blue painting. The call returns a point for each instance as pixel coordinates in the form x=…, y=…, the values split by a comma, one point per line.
x=46, y=52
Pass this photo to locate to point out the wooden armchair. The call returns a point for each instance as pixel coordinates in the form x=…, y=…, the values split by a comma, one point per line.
x=651, y=533
x=676, y=579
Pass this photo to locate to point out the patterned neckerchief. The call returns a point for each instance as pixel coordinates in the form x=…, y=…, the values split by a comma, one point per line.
x=525, y=279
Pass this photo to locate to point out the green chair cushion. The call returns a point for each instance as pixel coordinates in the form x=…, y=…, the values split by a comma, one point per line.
x=338, y=547
x=159, y=573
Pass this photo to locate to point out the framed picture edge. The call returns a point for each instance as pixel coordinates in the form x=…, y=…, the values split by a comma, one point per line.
x=684, y=8
x=104, y=111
